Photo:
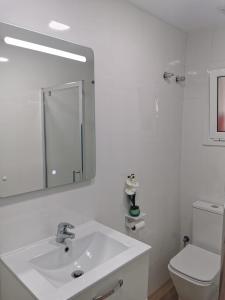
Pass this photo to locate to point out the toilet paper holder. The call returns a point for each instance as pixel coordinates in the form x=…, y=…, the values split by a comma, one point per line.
x=135, y=223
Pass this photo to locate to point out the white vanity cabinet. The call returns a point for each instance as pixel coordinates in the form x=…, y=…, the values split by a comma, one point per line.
x=11, y=288
x=135, y=283
x=134, y=276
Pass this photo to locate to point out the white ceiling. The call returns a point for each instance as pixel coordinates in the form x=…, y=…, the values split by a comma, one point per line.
x=186, y=14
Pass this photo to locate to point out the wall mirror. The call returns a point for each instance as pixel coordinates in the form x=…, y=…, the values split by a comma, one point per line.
x=47, y=128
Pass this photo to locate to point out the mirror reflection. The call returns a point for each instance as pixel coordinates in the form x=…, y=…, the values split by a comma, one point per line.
x=46, y=111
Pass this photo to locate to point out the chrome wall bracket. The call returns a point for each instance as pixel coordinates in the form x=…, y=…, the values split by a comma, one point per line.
x=180, y=79
x=168, y=75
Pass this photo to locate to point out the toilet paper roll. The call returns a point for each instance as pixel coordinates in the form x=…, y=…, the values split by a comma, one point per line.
x=139, y=225
x=136, y=226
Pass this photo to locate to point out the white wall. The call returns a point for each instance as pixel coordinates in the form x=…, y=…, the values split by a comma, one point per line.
x=202, y=170
x=138, y=123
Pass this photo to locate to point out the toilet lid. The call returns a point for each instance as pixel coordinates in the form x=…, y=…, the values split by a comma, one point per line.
x=197, y=263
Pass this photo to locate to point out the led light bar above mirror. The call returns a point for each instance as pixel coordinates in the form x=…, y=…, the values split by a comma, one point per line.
x=36, y=47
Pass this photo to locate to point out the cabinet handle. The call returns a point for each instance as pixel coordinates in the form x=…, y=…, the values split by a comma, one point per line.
x=111, y=292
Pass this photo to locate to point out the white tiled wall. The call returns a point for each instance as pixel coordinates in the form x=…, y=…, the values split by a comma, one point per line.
x=202, y=169
x=138, y=123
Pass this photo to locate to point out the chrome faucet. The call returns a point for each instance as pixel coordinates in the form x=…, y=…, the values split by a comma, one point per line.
x=63, y=233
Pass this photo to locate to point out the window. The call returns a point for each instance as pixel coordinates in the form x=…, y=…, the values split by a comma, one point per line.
x=217, y=105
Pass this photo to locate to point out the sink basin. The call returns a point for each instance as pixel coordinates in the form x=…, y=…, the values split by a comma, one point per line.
x=46, y=268
x=83, y=254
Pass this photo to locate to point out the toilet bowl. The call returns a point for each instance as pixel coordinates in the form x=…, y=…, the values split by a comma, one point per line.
x=195, y=273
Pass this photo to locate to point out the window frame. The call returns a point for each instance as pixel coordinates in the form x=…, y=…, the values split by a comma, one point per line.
x=214, y=134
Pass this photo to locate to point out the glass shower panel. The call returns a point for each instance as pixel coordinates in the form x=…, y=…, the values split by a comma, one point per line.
x=63, y=134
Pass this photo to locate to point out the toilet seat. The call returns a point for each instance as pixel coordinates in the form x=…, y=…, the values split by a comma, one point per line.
x=189, y=279
x=196, y=265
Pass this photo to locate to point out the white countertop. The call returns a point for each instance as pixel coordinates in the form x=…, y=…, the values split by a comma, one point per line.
x=19, y=263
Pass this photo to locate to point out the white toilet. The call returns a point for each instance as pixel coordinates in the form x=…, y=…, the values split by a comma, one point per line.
x=195, y=270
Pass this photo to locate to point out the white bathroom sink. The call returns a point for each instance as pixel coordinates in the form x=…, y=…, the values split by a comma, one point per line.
x=46, y=268
x=84, y=254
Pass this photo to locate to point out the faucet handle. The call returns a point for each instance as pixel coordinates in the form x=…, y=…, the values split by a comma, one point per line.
x=65, y=225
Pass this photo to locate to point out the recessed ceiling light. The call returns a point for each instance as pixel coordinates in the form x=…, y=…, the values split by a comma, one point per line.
x=174, y=62
x=4, y=59
x=44, y=49
x=58, y=26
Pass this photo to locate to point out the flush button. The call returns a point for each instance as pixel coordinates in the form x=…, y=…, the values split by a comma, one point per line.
x=4, y=178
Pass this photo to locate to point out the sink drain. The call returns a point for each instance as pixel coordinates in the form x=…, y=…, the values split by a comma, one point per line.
x=77, y=273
